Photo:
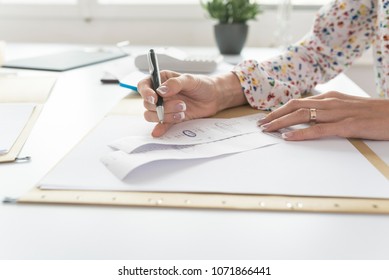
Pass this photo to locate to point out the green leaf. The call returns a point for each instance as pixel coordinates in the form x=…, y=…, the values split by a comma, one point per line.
x=232, y=11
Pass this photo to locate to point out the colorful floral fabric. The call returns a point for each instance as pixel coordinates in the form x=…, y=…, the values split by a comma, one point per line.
x=342, y=31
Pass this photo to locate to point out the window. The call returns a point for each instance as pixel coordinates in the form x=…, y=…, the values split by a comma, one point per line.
x=39, y=2
x=265, y=2
x=117, y=20
x=135, y=2
x=110, y=8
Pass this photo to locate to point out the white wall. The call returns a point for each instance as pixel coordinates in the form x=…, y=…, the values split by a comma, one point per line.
x=193, y=29
x=186, y=26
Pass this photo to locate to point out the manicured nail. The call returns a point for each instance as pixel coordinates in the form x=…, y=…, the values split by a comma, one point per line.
x=162, y=90
x=181, y=106
x=150, y=99
x=286, y=135
x=260, y=121
x=179, y=116
x=264, y=126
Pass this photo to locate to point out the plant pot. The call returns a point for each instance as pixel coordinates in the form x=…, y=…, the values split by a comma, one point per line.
x=230, y=37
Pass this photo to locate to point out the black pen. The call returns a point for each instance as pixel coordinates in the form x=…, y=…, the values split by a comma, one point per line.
x=156, y=81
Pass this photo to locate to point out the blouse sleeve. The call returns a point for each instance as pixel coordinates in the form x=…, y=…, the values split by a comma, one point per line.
x=342, y=31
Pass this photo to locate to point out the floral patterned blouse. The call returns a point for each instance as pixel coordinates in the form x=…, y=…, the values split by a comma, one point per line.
x=342, y=31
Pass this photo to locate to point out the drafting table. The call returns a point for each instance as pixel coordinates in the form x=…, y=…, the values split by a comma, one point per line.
x=77, y=103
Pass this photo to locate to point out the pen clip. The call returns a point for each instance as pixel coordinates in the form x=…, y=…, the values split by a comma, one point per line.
x=151, y=66
x=154, y=69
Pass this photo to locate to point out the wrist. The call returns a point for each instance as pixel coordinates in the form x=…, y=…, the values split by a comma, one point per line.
x=229, y=91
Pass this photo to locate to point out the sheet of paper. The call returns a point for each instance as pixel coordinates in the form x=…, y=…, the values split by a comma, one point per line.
x=122, y=164
x=193, y=132
x=327, y=167
x=13, y=118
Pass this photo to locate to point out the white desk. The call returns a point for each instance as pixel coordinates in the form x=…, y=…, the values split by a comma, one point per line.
x=77, y=103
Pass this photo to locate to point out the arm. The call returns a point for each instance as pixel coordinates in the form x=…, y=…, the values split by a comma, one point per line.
x=342, y=31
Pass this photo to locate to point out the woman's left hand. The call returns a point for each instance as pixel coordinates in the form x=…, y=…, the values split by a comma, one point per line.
x=331, y=114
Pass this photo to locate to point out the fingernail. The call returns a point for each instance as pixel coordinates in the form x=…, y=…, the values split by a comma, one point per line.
x=181, y=106
x=179, y=116
x=150, y=99
x=286, y=135
x=162, y=90
x=264, y=126
x=260, y=121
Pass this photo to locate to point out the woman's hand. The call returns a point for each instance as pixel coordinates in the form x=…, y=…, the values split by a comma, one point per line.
x=189, y=97
x=337, y=114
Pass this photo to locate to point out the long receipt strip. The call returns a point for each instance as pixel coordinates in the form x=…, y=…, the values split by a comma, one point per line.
x=203, y=138
x=193, y=132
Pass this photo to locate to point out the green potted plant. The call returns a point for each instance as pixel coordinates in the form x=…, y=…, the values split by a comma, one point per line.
x=232, y=16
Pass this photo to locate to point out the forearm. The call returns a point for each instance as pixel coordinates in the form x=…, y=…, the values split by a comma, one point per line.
x=229, y=91
x=342, y=31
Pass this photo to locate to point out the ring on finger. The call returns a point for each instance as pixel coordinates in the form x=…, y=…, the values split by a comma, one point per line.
x=312, y=115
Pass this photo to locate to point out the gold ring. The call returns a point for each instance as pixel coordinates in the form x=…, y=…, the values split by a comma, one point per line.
x=312, y=115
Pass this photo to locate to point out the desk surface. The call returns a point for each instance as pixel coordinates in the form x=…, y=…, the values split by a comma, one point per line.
x=78, y=101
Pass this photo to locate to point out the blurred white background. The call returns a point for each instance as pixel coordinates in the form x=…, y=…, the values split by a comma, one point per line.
x=154, y=22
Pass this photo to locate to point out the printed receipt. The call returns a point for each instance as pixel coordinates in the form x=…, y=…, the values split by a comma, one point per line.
x=193, y=132
x=202, y=138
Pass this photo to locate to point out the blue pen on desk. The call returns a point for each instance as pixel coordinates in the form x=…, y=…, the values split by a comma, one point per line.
x=156, y=81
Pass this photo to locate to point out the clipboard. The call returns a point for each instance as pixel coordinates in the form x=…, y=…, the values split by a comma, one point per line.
x=230, y=201
x=24, y=89
x=65, y=60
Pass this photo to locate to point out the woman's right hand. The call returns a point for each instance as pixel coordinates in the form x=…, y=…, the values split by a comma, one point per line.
x=189, y=97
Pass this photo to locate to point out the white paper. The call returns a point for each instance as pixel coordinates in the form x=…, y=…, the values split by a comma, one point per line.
x=13, y=118
x=326, y=167
x=193, y=132
x=121, y=163
x=200, y=138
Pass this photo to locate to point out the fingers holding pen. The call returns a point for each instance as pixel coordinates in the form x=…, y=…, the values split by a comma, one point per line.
x=174, y=111
x=145, y=90
x=166, y=89
x=174, y=108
